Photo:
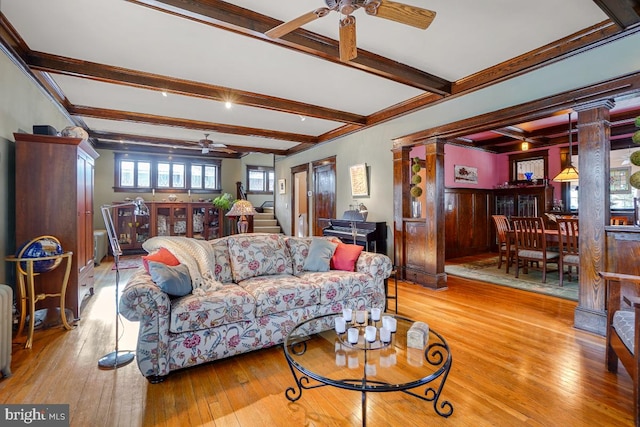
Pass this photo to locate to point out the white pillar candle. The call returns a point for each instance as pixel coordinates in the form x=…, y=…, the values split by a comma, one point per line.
x=370, y=333
x=341, y=325
x=375, y=314
x=389, y=323
x=347, y=313
x=352, y=335
x=361, y=316
x=385, y=335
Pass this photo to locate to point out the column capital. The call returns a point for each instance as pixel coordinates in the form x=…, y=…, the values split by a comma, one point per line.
x=600, y=103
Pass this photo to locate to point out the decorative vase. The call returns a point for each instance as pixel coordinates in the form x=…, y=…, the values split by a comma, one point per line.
x=416, y=208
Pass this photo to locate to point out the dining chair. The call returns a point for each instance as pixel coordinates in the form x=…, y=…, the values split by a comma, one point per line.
x=504, y=247
x=569, y=254
x=531, y=245
x=618, y=220
x=622, y=331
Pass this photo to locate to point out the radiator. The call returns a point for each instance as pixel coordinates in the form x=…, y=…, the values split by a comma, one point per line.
x=6, y=320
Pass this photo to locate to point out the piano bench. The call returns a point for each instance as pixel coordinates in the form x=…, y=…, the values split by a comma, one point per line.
x=394, y=276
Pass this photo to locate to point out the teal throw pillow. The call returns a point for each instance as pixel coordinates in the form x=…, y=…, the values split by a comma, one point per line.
x=174, y=281
x=319, y=257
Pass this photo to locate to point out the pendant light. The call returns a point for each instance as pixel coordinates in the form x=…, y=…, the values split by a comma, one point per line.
x=570, y=173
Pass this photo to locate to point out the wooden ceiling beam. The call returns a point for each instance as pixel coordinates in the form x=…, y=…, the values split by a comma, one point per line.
x=130, y=139
x=107, y=114
x=247, y=22
x=123, y=76
x=624, y=13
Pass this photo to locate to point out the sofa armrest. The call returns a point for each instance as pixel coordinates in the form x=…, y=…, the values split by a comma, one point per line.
x=144, y=302
x=374, y=264
x=142, y=299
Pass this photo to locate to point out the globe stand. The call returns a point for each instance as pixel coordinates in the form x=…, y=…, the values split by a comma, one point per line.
x=46, y=318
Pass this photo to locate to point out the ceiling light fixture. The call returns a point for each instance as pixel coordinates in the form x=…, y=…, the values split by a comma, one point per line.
x=164, y=93
x=302, y=118
x=524, y=146
x=228, y=105
x=570, y=173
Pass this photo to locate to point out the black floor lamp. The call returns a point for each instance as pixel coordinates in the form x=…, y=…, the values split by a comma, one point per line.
x=117, y=358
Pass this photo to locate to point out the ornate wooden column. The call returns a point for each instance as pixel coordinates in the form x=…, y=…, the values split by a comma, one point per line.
x=419, y=243
x=593, y=192
x=435, y=215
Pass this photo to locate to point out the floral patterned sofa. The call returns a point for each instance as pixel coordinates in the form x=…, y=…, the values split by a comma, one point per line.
x=249, y=290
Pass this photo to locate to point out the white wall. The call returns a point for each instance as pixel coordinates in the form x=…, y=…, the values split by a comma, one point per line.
x=22, y=105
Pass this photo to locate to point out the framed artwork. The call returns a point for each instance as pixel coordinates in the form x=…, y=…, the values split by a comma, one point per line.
x=359, y=183
x=466, y=174
x=619, y=180
x=282, y=186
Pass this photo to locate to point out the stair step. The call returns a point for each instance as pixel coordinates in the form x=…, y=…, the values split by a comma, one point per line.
x=275, y=229
x=265, y=222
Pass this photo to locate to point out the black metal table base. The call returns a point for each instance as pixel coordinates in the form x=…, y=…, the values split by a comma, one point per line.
x=431, y=394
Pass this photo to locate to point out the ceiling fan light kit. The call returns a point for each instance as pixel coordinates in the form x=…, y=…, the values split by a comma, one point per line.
x=393, y=11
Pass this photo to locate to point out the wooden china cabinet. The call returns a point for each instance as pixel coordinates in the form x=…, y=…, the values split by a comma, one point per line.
x=54, y=196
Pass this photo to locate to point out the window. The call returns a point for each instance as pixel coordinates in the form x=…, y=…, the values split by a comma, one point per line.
x=144, y=172
x=260, y=179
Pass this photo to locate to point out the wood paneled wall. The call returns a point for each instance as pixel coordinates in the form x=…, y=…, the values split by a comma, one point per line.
x=468, y=226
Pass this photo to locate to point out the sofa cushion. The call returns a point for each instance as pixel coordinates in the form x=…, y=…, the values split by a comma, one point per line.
x=339, y=285
x=299, y=250
x=624, y=324
x=173, y=280
x=320, y=253
x=162, y=255
x=254, y=255
x=229, y=304
x=345, y=257
x=275, y=294
x=222, y=272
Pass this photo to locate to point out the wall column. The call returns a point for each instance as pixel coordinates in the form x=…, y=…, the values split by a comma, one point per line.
x=593, y=192
x=401, y=200
x=435, y=215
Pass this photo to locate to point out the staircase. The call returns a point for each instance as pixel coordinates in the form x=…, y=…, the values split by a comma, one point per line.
x=266, y=222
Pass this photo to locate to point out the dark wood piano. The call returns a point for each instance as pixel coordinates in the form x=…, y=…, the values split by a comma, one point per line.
x=371, y=235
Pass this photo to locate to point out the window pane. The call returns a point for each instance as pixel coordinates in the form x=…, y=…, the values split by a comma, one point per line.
x=163, y=175
x=210, y=177
x=271, y=181
x=196, y=176
x=126, y=173
x=178, y=175
x=144, y=174
x=256, y=180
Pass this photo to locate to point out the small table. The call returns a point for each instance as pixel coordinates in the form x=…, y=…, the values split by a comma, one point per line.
x=30, y=294
x=315, y=351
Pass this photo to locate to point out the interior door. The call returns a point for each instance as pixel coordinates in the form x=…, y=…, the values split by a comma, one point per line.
x=324, y=191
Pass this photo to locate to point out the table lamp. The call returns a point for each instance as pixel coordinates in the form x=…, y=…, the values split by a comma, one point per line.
x=242, y=208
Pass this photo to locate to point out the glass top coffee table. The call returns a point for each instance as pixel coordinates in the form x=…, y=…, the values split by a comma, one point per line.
x=314, y=351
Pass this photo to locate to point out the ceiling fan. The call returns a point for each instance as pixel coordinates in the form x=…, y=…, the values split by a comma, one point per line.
x=399, y=12
x=208, y=145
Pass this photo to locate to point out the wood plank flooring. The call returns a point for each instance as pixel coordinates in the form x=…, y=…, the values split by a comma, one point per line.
x=517, y=360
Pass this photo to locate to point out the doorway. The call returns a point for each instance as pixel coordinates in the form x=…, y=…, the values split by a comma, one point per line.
x=300, y=201
x=324, y=191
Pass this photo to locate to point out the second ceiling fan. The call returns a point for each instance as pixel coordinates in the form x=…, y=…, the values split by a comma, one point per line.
x=399, y=12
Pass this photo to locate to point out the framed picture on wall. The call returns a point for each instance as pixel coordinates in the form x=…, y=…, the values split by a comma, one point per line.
x=282, y=186
x=359, y=183
x=466, y=174
x=619, y=180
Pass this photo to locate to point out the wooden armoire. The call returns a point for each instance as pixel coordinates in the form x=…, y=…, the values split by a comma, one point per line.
x=54, y=196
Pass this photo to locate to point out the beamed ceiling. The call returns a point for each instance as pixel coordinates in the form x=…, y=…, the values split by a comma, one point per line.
x=156, y=75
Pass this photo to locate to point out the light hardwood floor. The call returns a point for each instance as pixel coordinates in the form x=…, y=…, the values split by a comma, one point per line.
x=517, y=360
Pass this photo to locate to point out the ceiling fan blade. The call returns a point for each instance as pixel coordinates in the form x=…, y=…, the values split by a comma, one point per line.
x=348, y=47
x=402, y=13
x=287, y=27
